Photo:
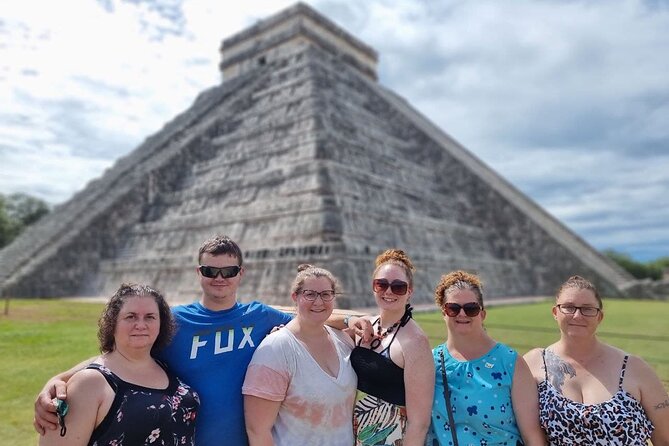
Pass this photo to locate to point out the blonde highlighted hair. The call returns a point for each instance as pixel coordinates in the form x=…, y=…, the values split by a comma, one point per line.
x=458, y=280
x=579, y=283
x=306, y=271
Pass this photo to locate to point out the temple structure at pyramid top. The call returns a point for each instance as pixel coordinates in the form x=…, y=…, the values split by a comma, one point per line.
x=296, y=27
x=299, y=155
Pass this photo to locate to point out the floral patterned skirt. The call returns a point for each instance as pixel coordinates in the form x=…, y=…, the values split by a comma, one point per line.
x=378, y=422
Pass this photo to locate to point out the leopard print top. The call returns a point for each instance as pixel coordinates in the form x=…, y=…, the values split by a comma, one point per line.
x=619, y=421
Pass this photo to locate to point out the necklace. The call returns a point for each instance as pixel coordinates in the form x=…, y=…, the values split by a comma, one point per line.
x=377, y=341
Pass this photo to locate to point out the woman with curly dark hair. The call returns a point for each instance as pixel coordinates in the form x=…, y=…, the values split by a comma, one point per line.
x=125, y=396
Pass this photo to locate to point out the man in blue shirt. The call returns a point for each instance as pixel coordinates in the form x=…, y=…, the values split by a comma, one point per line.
x=214, y=343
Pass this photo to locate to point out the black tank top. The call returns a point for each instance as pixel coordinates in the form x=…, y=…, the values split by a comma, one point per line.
x=378, y=375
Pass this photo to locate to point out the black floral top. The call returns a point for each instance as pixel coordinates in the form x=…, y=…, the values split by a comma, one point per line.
x=144, y=416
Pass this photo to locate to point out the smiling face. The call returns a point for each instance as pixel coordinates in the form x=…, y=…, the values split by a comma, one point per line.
x=219, y=293
x=388, y=300
x=318, y=310
x=138, y=323
x=463, y=324
x=576, y=324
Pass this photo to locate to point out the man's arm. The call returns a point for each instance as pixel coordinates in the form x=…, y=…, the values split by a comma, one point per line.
x=45, y=410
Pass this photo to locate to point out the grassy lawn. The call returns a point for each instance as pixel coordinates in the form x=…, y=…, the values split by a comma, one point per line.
x=42, y=337
x=38, y=339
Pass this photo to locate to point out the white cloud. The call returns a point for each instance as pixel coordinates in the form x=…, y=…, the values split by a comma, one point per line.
x=568, y=100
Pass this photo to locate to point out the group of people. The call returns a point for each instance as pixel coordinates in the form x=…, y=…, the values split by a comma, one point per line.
x=217, y=371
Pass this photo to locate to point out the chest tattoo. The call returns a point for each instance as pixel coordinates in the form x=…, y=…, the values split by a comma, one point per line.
x=558, y=370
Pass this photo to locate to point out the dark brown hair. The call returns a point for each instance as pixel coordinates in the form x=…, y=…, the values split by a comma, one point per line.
x=109, y=317
x=220, y=244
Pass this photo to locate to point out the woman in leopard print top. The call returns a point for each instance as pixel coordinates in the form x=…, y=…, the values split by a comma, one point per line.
x=591, y=392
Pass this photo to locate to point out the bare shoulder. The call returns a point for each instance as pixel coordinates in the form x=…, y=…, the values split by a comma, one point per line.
x=535, y=362
x=639, y=371
x=414, y=341
x=414, y=335
x=88, y=380
x=533, y=356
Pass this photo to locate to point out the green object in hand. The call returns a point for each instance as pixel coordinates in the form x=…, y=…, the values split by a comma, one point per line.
x=61, y=411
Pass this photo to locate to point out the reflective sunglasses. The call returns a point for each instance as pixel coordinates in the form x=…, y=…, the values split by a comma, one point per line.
x=398, y=287
x=571, y=309
x=311, y=295
x=471, y=309
x=226, y=272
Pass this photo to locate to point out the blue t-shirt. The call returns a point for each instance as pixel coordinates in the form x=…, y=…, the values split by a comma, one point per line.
x=480, y=398
x=210, y=352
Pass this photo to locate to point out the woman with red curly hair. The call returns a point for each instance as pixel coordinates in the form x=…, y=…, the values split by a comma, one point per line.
x=484, y=391
x=395, y=370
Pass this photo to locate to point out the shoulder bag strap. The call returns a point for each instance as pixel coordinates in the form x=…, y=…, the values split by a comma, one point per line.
x=447, y=397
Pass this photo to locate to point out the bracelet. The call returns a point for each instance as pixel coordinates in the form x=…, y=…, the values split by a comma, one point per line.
x=346, y=319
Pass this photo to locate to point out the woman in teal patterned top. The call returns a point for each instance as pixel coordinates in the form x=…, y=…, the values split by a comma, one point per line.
x=492, y=393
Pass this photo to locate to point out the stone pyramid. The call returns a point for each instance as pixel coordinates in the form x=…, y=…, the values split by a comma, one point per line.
x=300, y=155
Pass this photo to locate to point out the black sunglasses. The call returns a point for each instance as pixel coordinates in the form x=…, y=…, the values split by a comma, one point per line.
x=398, y=287
x=471, y=309
x=226, y=272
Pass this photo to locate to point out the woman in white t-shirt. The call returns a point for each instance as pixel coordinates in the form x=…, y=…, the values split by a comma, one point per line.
x=300, y=387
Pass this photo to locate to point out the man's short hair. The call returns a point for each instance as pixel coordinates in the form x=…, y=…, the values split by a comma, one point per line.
x=218, y=245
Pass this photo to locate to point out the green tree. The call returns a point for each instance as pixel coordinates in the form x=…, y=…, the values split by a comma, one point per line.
x=26, y=209
x=17, y=211
x=651, y=270
x=7, y=226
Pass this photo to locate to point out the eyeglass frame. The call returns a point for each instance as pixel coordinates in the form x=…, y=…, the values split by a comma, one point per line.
x=579, y=309
x=318, y=294
x=219, y=271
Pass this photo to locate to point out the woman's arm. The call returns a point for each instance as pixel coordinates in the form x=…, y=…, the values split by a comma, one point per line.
x=419, y=387
x=87, y=392
x=525, y=401
x=654, y=399
x=45, y=418
x=260, y=415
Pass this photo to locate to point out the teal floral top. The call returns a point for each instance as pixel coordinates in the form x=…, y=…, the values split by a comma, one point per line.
x=480, y=398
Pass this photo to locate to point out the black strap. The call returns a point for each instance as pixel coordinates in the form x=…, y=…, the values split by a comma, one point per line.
x=543, y=358
x=447, y=397
x=622, y=372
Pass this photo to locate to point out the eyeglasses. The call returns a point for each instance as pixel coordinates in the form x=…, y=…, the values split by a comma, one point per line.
x=311, y=295
x=585, y=311
x=471, y=309
x=226, y=272
x=397, y=287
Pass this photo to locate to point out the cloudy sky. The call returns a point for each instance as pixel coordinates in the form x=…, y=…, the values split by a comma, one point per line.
x=567, y=99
